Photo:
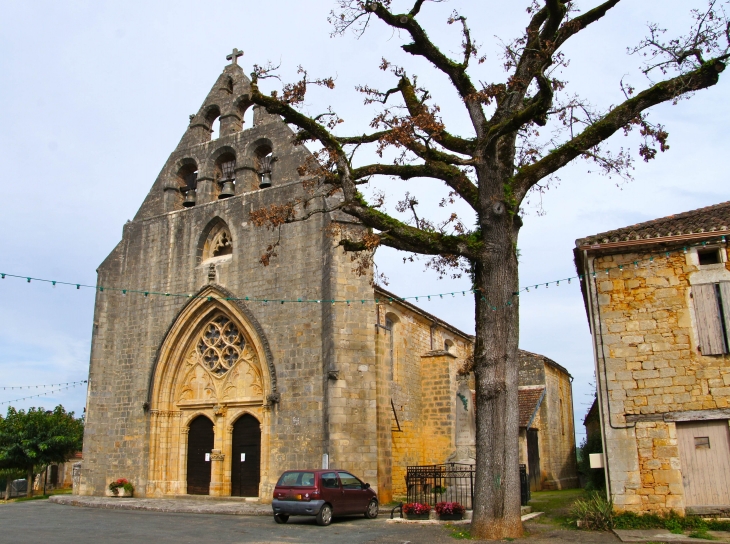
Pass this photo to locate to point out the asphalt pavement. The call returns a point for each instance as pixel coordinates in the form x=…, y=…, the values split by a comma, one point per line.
x=48, y=523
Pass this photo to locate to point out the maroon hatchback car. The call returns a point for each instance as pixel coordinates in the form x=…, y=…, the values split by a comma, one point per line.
x=324, y=494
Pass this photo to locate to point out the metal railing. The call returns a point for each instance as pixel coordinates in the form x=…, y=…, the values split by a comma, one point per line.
x=431, y=484
x=452, y=482
x=524, y=485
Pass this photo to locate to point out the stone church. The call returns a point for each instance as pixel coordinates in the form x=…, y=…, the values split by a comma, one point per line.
x=211, y=373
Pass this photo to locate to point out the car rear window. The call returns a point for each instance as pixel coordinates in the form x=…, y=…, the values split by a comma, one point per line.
x=297, y=479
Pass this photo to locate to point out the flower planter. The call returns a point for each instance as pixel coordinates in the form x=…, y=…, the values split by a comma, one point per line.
x=121, y=492
x=451, y=517
x=417, y=516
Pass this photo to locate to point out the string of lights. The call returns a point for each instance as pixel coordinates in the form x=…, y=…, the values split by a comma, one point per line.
x=75, y=384
x=11, y=387
x=147, y=293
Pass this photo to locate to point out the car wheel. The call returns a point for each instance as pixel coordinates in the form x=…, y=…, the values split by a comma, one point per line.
x=324, y=517
x=372, y=511
x=281, y=518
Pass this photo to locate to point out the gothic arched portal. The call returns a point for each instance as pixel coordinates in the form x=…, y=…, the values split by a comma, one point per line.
x=214, y=365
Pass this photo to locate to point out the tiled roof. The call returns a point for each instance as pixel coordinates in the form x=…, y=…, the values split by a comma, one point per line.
x=528, y=399
x=709, y=219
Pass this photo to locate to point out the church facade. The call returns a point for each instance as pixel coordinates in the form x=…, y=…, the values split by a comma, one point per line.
x=211, y=373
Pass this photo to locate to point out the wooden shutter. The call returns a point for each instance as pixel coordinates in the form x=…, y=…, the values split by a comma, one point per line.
x=709, y=325
x=725, y=301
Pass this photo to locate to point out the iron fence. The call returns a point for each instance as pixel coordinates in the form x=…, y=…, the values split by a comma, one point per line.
x=452, y=482
x=524, y=485
x=430, y=484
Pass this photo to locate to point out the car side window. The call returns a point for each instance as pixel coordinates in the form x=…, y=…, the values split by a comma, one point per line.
x=329, y=480
x=349, y=481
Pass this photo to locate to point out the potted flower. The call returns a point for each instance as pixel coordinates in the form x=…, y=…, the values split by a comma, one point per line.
x=121, y=488
x=450, y=510
x=416, y=510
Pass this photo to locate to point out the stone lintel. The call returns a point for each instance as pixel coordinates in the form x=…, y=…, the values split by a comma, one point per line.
x=687, y=415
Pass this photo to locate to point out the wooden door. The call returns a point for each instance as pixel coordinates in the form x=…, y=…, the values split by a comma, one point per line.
x=200, y=444
x=704, y=450
x=246, y=457
x=533, y=460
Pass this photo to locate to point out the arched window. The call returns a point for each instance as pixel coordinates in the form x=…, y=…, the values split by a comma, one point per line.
x=225, y=174
x=218, y=243
x=187, y=180
x=264, y=161
x=248, y=118
x=391, y=321
x=212, y=117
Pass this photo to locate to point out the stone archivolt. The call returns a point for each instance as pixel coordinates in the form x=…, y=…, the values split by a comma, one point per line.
x=222, y=365
x=209, y=364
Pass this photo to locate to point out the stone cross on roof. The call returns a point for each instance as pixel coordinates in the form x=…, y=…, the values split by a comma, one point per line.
x=233, y=57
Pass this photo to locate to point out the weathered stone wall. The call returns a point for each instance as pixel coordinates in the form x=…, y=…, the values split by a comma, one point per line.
x=649, y=362
x=558, y=463
x=161, y=251
x=423, y=387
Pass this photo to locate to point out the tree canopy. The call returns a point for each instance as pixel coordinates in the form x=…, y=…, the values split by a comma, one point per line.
x=38, y=437
x=524, y=127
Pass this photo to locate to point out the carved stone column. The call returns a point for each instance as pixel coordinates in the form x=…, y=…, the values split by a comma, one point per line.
x=217, y=457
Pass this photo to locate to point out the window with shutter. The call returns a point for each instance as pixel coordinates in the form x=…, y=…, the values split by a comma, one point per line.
x=712, y=309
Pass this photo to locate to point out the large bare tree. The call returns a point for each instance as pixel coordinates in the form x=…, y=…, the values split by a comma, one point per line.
x=492, y=170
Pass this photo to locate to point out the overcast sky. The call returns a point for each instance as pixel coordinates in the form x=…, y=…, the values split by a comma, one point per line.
x=96, y=94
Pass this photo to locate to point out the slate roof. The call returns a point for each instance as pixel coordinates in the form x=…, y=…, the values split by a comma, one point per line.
x=708, y=219
x=528, y=399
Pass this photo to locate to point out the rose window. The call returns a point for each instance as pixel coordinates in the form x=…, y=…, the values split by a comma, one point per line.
x=220, y=345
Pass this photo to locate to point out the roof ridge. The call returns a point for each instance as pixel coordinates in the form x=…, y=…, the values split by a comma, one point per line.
x=706, y=219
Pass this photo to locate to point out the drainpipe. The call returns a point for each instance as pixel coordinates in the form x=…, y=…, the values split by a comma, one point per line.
x=599, y=391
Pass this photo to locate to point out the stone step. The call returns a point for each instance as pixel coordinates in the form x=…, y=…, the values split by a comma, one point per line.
x=249, y=500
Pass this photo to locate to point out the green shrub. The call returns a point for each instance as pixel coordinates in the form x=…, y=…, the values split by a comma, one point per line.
x=595, y=477
x=594, y=513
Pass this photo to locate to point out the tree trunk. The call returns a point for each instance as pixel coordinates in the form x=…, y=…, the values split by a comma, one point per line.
x=8, y=486
x=497, y=486
x=29, y=479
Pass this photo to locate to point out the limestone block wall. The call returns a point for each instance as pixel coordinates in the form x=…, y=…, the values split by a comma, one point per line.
x=558, y=463
x=422, y=385
x=161, y=254
x=649, y=365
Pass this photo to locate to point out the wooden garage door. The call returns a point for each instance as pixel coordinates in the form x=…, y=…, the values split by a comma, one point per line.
x=704, y=449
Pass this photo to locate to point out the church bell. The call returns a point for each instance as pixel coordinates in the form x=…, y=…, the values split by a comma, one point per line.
x=189, y=201
x=265, y=180
x=265, y=171
x=228, y=190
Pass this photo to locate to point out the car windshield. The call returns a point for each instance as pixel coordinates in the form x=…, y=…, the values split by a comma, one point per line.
x=297, y=479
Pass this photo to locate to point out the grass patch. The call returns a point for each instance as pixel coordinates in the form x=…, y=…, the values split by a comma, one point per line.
x=33, y=498
x=702, y=534
x=556, y=505
x=459, y=532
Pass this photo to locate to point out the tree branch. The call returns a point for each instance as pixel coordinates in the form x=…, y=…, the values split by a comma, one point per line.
x=620, y=116
x=571, y=28
x=423, y=46
x=416, y=108
x=452, y=176
x=398, y=235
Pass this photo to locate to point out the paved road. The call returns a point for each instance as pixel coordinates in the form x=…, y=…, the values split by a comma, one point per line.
x=44, y=522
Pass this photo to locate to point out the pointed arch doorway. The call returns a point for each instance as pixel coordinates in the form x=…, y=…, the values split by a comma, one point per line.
x=246, y=457
x=200, y=445
x=214, y=362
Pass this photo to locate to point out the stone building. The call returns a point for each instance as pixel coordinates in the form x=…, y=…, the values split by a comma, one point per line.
x=657, y=295
x=433, y=421
x=547, y=433
x=211, y=373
